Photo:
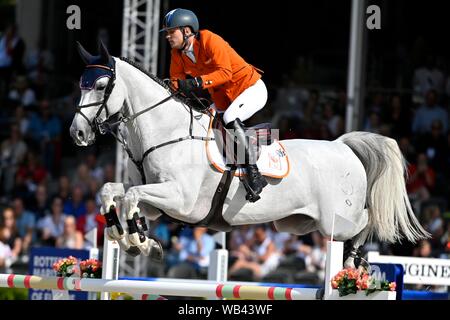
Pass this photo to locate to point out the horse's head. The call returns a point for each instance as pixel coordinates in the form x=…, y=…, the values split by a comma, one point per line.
x=98, y=99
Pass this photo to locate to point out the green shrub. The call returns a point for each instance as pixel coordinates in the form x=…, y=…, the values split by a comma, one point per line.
x=13, y=294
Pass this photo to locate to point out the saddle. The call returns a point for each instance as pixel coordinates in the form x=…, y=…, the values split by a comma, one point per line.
x=272, y=162
x=271, y=157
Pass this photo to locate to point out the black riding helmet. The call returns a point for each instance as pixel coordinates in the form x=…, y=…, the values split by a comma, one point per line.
x=178, y=18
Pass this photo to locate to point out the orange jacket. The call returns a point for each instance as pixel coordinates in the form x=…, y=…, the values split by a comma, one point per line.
x=224, y=73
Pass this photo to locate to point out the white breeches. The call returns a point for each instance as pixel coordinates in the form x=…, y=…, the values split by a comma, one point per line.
x=247, y=103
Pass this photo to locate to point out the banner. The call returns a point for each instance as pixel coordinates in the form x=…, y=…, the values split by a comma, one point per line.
x=41, y=264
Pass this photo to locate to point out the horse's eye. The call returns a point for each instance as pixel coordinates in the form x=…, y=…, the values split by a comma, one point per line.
x=100, y=87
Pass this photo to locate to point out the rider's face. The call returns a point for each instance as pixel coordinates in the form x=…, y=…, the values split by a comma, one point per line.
x=175, y=38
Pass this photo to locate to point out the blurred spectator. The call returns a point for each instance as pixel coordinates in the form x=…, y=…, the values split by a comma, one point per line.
x=260, y=255
x=427, y=77
x=194, y=249
x=315, y=260
x=291, y=98
x=32, y=172
x=40, y=203
x=373, y=123
x=95, y=171
x=21, y=119
x=240, y=236
x=423, y=249
x=434, y=145
x=377, y=104
x=92, y=219
x=26, y=223
x=71, y=237
x=340, y=105
x=407, y=149
x=94, y=191
x=75, y=206
x=445, y=241
x=5, y=250
x=21, y=190
x=39, y=64
x=82, y=177
x=288, y=128
x=22, y=93
x=428, y=113
x=110, y=173
x=13, y=151
x=421, y=182
x=313, y=109
x=334, y=122
x=8, y=221
x=65, y=106
x=398, y=118
x=12, y=49
x=51, y=226
x=45, y=131
x=434, y=221
x=64, y=188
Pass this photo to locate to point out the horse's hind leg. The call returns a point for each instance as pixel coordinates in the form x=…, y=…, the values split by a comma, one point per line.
x=352, y=250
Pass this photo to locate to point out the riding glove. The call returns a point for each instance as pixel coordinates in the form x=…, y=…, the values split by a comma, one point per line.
x=188, y=85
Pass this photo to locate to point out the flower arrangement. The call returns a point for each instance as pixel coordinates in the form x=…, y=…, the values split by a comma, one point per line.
x=350, y=280
x=91, y=268
x=66, y=267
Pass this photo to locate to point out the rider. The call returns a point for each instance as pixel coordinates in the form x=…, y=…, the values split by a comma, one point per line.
x=203, y=60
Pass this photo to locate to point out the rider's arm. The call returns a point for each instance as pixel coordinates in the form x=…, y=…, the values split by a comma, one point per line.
x=217, y=50
x=176, y=68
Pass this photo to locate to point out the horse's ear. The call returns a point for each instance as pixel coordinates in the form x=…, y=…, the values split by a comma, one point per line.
x=85, y=56
x=104, y=54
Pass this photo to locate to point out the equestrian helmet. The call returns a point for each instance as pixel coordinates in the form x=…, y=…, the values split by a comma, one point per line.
x=180, y=18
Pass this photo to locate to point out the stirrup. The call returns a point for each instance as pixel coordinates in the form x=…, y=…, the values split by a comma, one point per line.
x=251, y=195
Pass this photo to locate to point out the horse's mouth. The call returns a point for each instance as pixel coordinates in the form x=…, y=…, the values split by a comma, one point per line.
x=83, y=143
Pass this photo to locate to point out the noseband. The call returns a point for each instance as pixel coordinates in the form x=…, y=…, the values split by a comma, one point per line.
x=96, y=124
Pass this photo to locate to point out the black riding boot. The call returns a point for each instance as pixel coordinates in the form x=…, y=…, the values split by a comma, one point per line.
x=255, y=180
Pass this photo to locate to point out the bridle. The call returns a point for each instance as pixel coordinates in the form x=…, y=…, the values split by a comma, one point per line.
x=96, y=124
x=104, y=126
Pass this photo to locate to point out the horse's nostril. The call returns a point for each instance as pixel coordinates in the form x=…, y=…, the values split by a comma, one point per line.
x=80, y=134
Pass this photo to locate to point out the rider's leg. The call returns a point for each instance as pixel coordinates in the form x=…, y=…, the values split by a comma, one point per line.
x=243, y=107
x=247, y=103
x=255, y=180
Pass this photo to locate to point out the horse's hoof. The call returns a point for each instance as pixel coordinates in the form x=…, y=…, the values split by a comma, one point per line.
x=320, y=293
x=133, y=251
x=156, y=252
x=152, y=248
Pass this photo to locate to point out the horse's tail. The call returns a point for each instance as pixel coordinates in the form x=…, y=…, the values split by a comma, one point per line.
x=390, y=214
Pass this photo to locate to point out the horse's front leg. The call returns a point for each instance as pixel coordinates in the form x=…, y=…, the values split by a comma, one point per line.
x=112, y=195
x=165, y=196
